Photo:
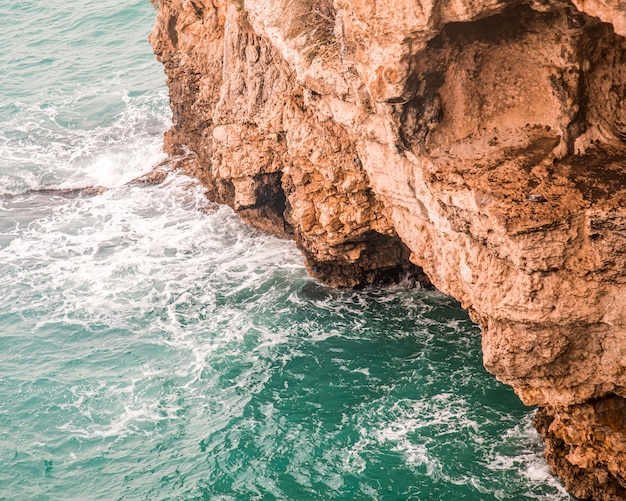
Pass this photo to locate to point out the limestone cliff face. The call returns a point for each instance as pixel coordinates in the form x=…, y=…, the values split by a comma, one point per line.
x=482, y=141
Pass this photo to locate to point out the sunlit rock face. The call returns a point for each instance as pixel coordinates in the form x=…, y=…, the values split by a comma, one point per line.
x=480, y=141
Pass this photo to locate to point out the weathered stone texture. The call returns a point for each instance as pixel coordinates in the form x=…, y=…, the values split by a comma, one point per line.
x=479, y=140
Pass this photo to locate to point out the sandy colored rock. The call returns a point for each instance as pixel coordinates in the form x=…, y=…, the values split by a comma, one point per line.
x=585, y=444
x=480, y=141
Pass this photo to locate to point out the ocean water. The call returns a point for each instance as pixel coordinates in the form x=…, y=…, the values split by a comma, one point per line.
x=152, y=347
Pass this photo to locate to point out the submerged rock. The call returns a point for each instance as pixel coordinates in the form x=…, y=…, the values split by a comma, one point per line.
x=479, y=141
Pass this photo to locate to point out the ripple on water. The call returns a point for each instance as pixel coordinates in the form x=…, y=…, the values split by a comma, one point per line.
x=194, y=357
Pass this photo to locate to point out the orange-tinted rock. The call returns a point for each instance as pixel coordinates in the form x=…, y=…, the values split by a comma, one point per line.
x=479, y=140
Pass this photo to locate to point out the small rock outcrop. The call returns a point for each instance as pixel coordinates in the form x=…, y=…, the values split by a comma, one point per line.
x=481, y=142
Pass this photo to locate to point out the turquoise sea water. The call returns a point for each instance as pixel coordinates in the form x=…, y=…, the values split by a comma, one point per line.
x=153, y=347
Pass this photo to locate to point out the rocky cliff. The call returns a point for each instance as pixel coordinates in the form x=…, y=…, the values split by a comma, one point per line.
x=481, y=141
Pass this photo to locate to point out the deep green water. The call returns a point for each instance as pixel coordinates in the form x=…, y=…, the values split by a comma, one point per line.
x=153, y=347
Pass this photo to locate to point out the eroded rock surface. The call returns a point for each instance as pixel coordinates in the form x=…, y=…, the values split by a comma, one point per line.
x=481, y=141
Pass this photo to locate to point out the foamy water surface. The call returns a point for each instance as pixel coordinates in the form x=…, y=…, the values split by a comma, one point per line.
x=154, y=347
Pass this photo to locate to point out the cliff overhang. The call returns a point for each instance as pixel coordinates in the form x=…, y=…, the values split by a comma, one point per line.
x=482, y=142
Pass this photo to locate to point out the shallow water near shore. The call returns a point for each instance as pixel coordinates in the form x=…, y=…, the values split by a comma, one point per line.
x=154, y=347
